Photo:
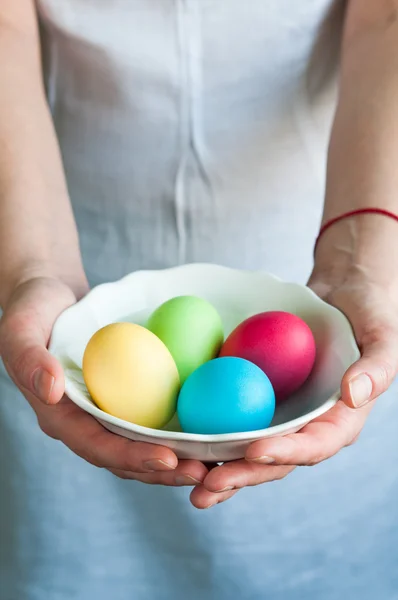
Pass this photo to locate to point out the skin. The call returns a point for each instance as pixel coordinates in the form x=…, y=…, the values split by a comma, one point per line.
x=41, y=272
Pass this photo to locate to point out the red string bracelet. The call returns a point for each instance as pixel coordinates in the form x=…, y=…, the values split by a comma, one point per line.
x=352, y=213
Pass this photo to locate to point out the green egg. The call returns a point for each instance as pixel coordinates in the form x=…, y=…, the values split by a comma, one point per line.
x=192, y=330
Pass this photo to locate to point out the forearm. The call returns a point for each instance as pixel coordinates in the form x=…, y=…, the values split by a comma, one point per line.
x=37, y=230
x=363, y=153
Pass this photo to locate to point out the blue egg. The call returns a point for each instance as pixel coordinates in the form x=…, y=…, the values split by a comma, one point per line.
x=226, y=395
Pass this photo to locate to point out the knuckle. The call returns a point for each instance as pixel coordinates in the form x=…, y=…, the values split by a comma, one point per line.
x=121, y=474
x=284, y=471
x=100, y=453
x=23, y=362
x=386, y=374
x=19, y=357
x=46, y=428
x=353, y=441
x=91, y=457
x=375, y=333
x=93, y=461
x=12, y=323
x=312, y=462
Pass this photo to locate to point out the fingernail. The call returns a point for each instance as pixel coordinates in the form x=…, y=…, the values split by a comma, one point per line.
x=361, y=388
x=43, y=383
x=187, y=480
x=228, y=488
x=264, y=460
x=158, y=465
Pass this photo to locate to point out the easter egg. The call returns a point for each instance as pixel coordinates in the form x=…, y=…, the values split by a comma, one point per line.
x=280, y=343
x=130, y=374
x=226, y=395
x=192, y=330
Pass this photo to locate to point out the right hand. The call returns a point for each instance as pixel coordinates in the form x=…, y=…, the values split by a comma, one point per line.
x=25, y=329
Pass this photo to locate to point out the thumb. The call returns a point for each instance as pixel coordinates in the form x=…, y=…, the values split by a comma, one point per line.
x=24, y=333
x=374, y=372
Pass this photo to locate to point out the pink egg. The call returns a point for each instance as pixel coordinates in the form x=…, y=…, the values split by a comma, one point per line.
x=280, y=343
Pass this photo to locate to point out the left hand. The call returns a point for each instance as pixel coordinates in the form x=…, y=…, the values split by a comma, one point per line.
x=372, y=310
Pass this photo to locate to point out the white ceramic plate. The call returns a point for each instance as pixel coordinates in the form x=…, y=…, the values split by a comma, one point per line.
x=236, y=295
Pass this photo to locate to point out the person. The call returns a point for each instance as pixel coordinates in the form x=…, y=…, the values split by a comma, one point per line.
x=196, y=131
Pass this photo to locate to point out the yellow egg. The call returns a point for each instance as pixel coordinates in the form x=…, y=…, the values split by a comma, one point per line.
x=130, y=374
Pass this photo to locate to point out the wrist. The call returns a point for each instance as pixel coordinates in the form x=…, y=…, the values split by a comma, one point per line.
x=361, y=246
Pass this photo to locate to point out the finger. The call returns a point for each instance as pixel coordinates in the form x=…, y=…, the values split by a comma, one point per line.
x=28, y=362
x=187, y=473
x=90, y=440
x=317, y=441
x=241, y=473
x=24, y=332
x=201, y=497
x=374, y=372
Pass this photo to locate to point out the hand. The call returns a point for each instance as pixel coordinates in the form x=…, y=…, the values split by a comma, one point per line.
x=372, y=309
x=25, y=329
